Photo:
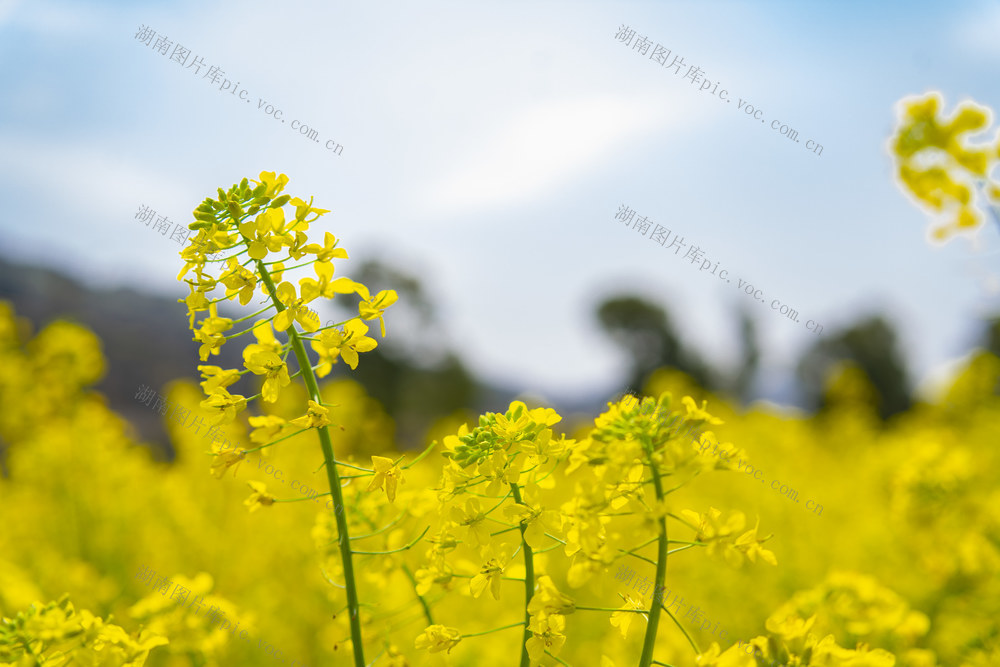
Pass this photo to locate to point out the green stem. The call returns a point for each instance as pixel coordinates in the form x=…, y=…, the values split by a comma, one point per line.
x=274, y=442
x=383, y=553
x=649, y=643
x=691, y=641
x=529, y=582
x=331, y=473
x=557, y=658
x=423, y=602
x=421, y=456
x=486, y=632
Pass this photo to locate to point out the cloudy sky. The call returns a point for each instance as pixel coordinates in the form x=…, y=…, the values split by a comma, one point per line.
x=486, y=147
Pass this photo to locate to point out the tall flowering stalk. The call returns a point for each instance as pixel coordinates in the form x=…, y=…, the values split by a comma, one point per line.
x=497, y=510
x=248, y=227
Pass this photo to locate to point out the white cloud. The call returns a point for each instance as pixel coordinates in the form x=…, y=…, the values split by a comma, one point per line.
x=87, y=178
x=546, y=146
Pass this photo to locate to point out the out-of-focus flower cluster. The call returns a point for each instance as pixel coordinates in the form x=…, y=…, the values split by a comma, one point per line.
x=939, y=165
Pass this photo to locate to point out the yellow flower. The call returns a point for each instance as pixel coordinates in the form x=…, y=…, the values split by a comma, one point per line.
x=273, y=368
x=937, y=164
x=274, y=185
x=296, y=245
x=347, y=344
x=386, y=472
x=225, y=459
x=326, y=287
x=694, y=412
x=720, y=537
x=239, y=281
x=547, y=635
x=622, y=619
x=436, y=572
x=477, y=532
x=225, y=406
x=490, y=573
x=217, y=378
x=303, y=209
x=437, y=638
x=536, y=520
x=549, y=600
x=266, y=428
x=328, y=250
x=295, y=308
x=210, y=333
x=315, y=417
x=370, y=308
x=750, y=545
x=196, y=302
x=262, y=233
x=259, y=497
x=266, y=342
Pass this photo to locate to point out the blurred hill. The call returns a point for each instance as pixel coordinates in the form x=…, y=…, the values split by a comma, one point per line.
x=415, y=374
x=146, y=341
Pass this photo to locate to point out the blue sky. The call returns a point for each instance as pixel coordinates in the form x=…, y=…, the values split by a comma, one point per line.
x=488, y=146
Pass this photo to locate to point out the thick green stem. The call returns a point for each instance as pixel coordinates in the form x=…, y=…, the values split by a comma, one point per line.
x=529, y=582
x=649, y=643
x=326, y=444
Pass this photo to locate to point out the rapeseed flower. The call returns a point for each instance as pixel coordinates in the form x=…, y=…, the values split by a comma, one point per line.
x=316, y=416
x=437, y=638
x=274, y=371
x=388, y=473
x=226, y=459
x=346, y=343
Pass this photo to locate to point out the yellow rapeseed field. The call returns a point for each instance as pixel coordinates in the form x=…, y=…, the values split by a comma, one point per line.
x=674, y=530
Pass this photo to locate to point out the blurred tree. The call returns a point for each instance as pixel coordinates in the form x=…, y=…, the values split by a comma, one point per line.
x=872, y=345
x=991, y=338
x=749, y=358
x=645, y=332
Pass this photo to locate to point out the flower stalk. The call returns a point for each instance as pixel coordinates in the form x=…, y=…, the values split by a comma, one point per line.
x=326, y=444
x=529, y=581
x=649, y=642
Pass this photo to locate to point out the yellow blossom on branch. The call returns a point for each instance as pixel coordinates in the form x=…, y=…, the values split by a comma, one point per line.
x=546, y=635
x=266, y=428
x=387, y=473
x=259, y=498
x=315, y=417
x=239, y=282
x=273, y=369
x=437, y=638
x=328, y=250
x=295, y=308
x=347, y=344
x=224, y=405
x=370, y=309
x=226, y=459
x=490, y=574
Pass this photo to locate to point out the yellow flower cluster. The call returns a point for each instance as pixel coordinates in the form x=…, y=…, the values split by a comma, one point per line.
x=938, y=164
x=56, y=633
x=250, y=227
